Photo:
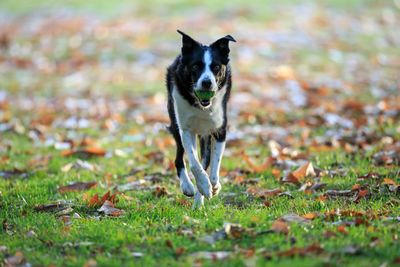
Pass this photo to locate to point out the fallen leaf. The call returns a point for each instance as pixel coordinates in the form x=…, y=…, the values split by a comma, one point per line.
x=310, y=216
x=312, y=249
x=306, y=170
x=85, y=152
x=109, y=209
x=169, y=244
x=16, y=260
x=179, y=251
x=342, y=229
x=76, y=186
x=160, y=191
x=388, y=181
x=183, y=202
x=280, y=226
x=290, y=178
x=264, y=193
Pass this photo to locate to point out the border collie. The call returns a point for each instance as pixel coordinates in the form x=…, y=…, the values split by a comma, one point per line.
x=199, y=85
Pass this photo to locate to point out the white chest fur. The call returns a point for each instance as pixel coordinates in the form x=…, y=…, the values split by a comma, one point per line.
x=195, y=120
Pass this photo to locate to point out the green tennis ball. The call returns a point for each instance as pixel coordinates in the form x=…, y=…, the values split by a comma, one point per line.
x=205, y=95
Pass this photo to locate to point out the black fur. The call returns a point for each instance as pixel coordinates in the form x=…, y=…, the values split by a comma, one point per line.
x=183, y=75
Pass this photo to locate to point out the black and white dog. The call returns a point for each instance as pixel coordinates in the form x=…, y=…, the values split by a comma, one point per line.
x=199, y=85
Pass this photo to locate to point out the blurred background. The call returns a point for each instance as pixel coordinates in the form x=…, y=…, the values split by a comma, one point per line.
x=100, y=65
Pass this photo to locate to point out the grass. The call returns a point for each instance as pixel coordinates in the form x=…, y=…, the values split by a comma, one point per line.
x=123, y=100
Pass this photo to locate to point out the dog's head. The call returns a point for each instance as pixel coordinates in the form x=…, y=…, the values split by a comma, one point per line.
x=205, y=67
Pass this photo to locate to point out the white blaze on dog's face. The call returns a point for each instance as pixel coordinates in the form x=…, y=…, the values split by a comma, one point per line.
x=207, y=79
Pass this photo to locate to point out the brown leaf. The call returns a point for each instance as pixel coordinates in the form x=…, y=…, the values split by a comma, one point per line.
x=169, y=244
x=312, y=249
x=310, y=216
x=109, y=209
x=290, y=178
x=93, y=201
x=183, y=202
x=264, y=193
x=102, y=200
x=179, y=251
x=160, y=191
x=248, y=253
x=238, y=180
x=86, y=152
x=76, y=186
x=15, y=260
x=281, y=226
x=342, y=229
x=388, y=181
x=307, y=170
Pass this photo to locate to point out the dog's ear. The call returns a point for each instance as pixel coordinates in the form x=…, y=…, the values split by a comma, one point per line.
x=188, y=44
x=222, y=46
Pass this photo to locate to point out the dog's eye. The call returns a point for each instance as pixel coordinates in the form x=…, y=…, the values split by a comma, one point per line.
x=216, y=68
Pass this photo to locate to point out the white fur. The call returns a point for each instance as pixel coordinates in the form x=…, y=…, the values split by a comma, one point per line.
x=186, y=184
x=216, y=157
x=207, y=73
x=202, y=180
x=196, y=120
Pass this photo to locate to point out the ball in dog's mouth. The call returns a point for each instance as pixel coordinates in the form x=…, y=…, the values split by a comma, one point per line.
x=205, y=96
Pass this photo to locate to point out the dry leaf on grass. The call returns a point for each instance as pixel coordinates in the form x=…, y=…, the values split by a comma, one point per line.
x=76, y=186
x=96, y=201
x=280, y=226
x=315, y=248
x=263, y=193
x=109, y=209
x=85, y=152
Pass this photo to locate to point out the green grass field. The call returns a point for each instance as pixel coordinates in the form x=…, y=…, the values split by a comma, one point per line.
x=311, y=173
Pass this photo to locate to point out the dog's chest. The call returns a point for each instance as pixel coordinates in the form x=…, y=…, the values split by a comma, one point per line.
x=195, y=120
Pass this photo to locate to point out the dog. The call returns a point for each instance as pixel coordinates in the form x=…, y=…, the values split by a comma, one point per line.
x=199, y=84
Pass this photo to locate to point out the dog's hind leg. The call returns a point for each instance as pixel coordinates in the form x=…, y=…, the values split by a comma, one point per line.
x=185, y=182
x=205, y=150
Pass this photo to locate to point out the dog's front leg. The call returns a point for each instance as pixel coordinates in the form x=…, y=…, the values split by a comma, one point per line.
x=217, y=150
x=202, y=180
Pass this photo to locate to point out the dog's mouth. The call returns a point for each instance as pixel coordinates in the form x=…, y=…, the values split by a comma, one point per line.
x=205, y=97
x=205, y=103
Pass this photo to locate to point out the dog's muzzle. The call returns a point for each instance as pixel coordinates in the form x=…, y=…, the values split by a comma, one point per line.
x=205, y=96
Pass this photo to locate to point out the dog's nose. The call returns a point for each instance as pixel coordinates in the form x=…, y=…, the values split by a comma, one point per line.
x=206, y=84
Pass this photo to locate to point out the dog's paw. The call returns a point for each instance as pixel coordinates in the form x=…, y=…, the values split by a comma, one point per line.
x=187, y=186
x=204, y=185
x=216, y=188
x=202, y=182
